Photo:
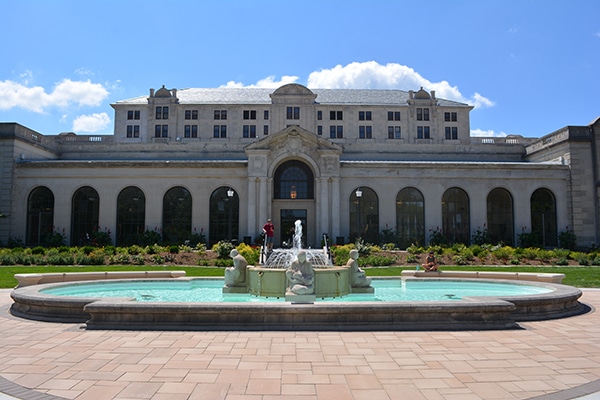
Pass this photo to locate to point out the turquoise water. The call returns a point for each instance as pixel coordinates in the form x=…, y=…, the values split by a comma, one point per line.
x=210, y=290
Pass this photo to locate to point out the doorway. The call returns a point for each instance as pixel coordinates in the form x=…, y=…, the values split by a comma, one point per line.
x=287, y=221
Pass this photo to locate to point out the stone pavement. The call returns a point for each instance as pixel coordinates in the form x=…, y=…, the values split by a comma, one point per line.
x=550, y=360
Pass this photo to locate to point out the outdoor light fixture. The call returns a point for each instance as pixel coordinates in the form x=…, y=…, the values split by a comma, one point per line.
x=230, y=192
x=358, y=193
x=293, y=192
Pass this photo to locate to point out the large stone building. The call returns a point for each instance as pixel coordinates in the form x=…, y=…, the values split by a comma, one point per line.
x=384, y=165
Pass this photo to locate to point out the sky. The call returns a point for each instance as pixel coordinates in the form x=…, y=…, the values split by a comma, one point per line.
x=528, y=67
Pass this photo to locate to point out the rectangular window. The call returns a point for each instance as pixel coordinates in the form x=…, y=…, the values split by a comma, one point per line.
x=393, y=116
x=249, y=131
x=165, y=131
x=133, y=131
x=157, y=129
x=161, y=131
x=336, y=115
x=265, y=129
x=133, y=114
x=422, y=114
x=249, y=114
x=423, y=132
x=191, y=114
x=220, y=131
x=266, y=115
x=162, y=112
x=336, y=131
x=220, y=114
x=158, y=113
x=365, y=132
x=293, y=113
x=451, y=133
x=319, y=115
x=364, y=115
x=394, y=132
x=450, y=117
x=320, y=130
x=190, y=131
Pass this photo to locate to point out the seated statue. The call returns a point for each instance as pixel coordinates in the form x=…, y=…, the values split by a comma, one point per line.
x=236, y=275
x=357, y=275
x=300, y=275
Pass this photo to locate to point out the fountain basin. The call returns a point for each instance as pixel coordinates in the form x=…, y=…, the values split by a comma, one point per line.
x=480, y=313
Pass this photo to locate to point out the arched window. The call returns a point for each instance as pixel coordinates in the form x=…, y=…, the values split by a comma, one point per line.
x=85, y=209
x=177, y=215
x=543, y=217
x=224, y=215
x=410, y=217
x=455, y=216
x=500, y=225
x=294, y=180
x=40, y=215
x=364, y=215
x=131, y=215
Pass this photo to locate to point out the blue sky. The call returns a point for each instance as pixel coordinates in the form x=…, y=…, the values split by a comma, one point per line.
x=529, y=66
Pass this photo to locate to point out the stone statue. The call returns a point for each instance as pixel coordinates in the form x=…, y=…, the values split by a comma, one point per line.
x=357, y=275
x=236, y=275
x=300, y=275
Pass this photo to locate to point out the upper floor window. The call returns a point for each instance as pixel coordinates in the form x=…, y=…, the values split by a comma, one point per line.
x=249, y=131
x=220, y=131
x=293, y=113
x=319, y=115
x=393, y=115
x=336, y=115
x=364, y=115
x=336, y=131
x=249, y=114
x=266, y=114
x=319, y=129
x=423, y=132
x=265, y=129
x=450, y=116
x=162, y=112
x=422, y=114
x=191, y=114
x=220, y=114
x=451, y=132
x=365, y=132
x=133, y=131
x=394, y=132
x=133, y=114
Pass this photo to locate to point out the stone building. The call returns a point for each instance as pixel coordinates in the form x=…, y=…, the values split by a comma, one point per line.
x=383, y=165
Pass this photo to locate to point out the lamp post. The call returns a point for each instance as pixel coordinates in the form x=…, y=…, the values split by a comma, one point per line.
x=230, y=194
x=358, y=194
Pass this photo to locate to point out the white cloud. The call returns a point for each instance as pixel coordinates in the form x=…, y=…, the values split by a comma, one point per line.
x=91, y=123
x=268, y=82
x=64, y=94
x=488, y=133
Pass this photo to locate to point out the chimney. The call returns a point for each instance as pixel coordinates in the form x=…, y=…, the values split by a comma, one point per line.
x=151, y=92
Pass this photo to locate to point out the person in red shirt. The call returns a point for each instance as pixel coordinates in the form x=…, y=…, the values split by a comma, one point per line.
x=269, y=231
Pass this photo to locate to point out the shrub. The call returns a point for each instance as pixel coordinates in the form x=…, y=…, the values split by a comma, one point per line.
x=149, y=238
x=251, y=254
x=415, y=249
x=223, y=248
x=503, y=253
x=437, y=237
x=38, y=250
x=7, y=259
x=174, y=249
x=567, y=240
x=364, y=248
x=376, y=261
x=341, y=254
x=60, y=259
x=480, y=237
x=137, y=260
x=101, y=239
x=562, y=261
x=157, y=259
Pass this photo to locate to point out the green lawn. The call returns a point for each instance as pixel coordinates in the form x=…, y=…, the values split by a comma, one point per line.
x=583, y=277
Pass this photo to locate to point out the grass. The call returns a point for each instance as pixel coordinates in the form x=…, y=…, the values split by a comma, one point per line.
x=578, y=276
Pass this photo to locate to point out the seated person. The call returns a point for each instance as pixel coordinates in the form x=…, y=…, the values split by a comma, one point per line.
x=430, y=263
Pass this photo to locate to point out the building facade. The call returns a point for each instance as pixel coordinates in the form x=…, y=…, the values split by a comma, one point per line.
x=382, y=165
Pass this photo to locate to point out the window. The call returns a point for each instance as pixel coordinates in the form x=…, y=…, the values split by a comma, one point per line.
x=224, y=215
x=131, y=215
x=450, y=116
x=191, y=114
x=266, y=115
x=365, y=132
x=162, y=112
x=265, y=129
x=293, y=113
x=422, y=132
x=220, y=131
x=190, y=131
x=133, y=114
x=133, y=131
x=422, y=114
x=320, y=130
x=455, y=216
x=394, y=132
x=500, y=225
x=161, y=131
x=177, y=215
x=336, y=115
x=40, y=215
x=336, y=131
x=410, y=217
x=451, y=133
x=319, y=115
x=364, y=215
x=294, y=179
x=393, y=115
x=249, y=114
x=249, y=131
x=85, y=207
x=364, y=115
x=543, y=218
x=220, y=114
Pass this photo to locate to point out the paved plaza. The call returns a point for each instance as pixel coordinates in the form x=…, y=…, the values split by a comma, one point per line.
x=550, y=360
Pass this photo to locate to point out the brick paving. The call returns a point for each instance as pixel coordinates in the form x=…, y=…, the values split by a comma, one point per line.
x=553, y=360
